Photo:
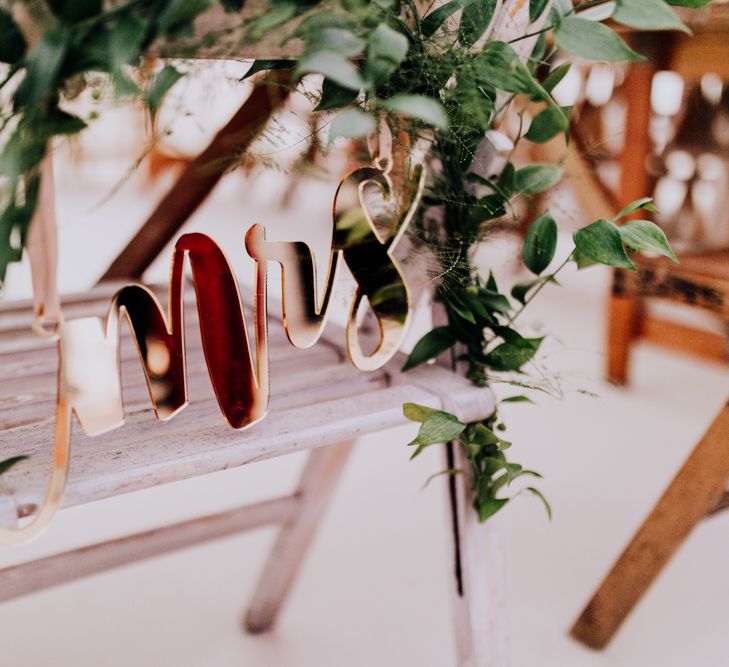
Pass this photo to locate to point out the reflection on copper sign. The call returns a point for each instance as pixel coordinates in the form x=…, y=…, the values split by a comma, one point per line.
x=89, y=384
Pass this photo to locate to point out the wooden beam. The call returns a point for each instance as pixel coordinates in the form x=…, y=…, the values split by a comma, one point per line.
x=689, y=340
x=695, y=491
x=200, y=177
x=71, y=565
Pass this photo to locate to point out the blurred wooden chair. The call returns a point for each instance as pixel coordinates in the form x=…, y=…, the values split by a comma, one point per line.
x=699, y=280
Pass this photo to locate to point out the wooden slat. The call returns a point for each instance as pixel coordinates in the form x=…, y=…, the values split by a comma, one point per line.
x=72, y=565
x=688, y=340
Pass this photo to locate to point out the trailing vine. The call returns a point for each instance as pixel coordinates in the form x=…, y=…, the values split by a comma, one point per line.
x=378, y=59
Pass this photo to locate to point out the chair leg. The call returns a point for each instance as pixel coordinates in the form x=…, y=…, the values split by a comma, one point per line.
x=695, y=491
x=477, y=598
x=623, y=327
x=321, y=473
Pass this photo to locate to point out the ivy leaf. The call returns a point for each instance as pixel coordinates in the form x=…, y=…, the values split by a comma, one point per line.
x=499, y=66
x=487, y=507
x=537, y=177
x=540, y=243
x=601, y=242
x=645, y=235
x=537, y=493
x=592, y=41
x=43, y=64
x=266, y=65
x=435, y=19
x=475, y=20
x=430, y=346
x=646, y=204
x=555, y=76
x=520, y=290
x=386, y=49
x=437, y=428
x=334, y=96
x=416, y=412
x=12, y=42
x=351, y=124
x=536, y=8
x=334, y=66
x=421, y=107
x=517, y=399
x=648, y=15
x=233, y=5
x=340, y=41
x=179, y=14
x=167, y=78
x=548, y=123
x=512, y=356
x=599, y=12
x=693, y=4
x=7, y=464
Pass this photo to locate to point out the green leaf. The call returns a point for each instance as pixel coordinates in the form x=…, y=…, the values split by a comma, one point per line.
x=536, y=8
x=592, y=41
x=520, y=290
x=7, y=464
x=351, y=124
x=334, y=96
x=488, y=507
x=582, y=260
x=509, y=357
x=12, y=42
x=480, y=434
x=334, y=67
x=648, y=15
x=475, y=20
x=266, y=65
x=646, y=204
x=540, y=495
x=416, y=412
x=555, y=76
x=517, y=399
x=499, y=66
x=598, y=12
x=435, y=19
x=540, y=243
x=42, y=66
x=430, y=346
x=693, y=4
x=340, y=41
x=438, y=428
x=276, y=15
x=179, y=14
x=537, y=177
x=601, y=242
x=646, y=235
x=423, y=108
x=167, y=78
x=548, y=123
x=386, y=49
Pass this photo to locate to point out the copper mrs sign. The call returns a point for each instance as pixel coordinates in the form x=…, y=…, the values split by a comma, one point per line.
x=89, y=378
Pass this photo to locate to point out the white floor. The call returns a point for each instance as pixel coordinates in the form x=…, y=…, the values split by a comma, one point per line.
x=373, y=591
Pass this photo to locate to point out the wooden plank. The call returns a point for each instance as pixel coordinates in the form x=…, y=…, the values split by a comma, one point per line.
x=72, y=565
x=685, y=339
x=317, y=484
x=694, y=492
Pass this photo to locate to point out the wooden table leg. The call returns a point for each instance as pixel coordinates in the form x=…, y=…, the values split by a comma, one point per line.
x=624, y=320
x=694, y=493
x=321, y=473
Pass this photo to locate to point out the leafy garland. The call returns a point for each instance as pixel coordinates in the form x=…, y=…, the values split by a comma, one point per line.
x=379, y=58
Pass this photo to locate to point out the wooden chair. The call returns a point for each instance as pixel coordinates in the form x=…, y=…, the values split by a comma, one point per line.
x=702, y=281
x=319, y=403
x=699, y=280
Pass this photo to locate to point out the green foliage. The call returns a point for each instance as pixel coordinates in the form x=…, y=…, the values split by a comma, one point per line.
x=647, y=15
x=592, y=40
x=540, y=244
